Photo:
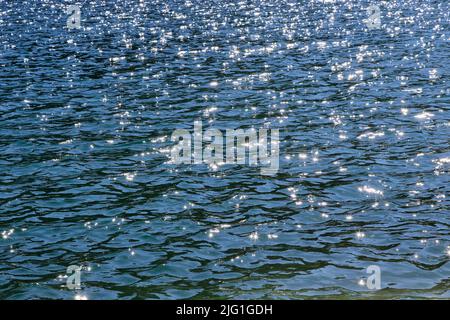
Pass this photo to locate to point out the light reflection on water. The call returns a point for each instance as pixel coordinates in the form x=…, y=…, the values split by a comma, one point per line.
x=86, y=117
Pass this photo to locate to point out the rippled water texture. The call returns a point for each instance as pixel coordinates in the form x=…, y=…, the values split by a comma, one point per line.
x=86, y=117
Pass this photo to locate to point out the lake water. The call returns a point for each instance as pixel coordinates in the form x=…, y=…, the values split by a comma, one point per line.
x=87, y=114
